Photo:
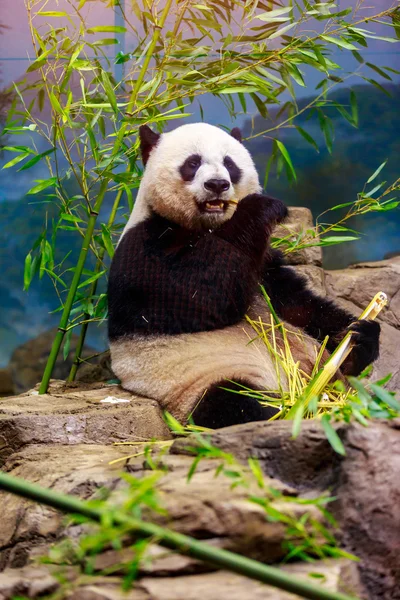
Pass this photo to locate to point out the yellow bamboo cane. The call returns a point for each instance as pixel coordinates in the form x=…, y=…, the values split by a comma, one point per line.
x=338, y=356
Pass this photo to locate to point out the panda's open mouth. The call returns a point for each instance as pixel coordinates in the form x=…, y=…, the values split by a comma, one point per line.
x=214, y=206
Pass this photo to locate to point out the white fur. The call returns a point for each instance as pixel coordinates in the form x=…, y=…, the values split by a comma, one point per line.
x=163, y=189
x=177, y=370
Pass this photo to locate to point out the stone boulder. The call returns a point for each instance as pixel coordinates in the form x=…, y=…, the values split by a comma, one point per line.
x=65, y=441
x=299, y=220
x=365, y=484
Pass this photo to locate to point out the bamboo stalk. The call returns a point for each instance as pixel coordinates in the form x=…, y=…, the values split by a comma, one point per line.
x=338, y=356
x=182, y=544
x=95, y=211
x=92, y=291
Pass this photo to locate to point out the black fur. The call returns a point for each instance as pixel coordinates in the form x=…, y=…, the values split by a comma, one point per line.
x=190, y=167
x=234, y=172
x=237, y=134
x=222, y=408
x=148, y=139
x=165, y=279
x=319, y=317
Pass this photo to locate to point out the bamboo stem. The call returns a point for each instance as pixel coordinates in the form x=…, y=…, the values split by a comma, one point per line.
x=92, y=291
x=183, y=544
x=94, y=213
x=338, y=356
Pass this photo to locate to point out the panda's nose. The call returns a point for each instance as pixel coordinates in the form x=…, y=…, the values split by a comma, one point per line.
x=217, y=185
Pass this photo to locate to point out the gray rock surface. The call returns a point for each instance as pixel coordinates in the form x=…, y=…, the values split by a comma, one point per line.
x=366, y=484
x=300, y=219
x=99, y=414
x=80, y=460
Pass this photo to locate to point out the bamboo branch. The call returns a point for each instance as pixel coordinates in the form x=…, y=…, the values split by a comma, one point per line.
x=182, y=544
x=94, y=213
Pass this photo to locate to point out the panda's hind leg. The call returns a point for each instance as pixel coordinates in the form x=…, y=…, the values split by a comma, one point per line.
x=221, y=407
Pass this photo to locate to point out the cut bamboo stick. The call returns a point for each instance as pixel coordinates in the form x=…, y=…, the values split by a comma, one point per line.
x=339, y=355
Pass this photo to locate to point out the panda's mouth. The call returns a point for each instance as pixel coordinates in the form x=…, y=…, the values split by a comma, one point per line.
x=217, y=206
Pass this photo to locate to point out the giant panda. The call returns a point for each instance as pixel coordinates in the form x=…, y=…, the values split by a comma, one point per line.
x=186, y=272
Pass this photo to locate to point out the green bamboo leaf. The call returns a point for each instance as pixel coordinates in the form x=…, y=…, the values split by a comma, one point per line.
x=42, y=184
x=16, y=160
x=109, y=91
x=362, y=393
x=260, y=105
x=71, y=218
x=244, y=89
x=107, y=29
x=52, y=13
x=332, y=436
x=307, y=137
x=354, y=107
x=281, y=31
x=378, y=85
x=106, y=237
x=33, y=161
x=27, y=271
x=339, y=42
x=129, y=196
x=379, y=71
x=296, y=74
x=91, y=279
x=358, y=57
x=287, y=158
x=105, y=42
x=18, y=149
x=266, y=16
x=376, y=173
x=37, y=64
x=338, y=239
x=56, y=104
x=375, y=189
x=385, y=396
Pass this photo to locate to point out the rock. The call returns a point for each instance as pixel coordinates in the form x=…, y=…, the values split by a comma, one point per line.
x=208, y=508
x=80, y=470
x=6, y=383
x=332, y=575
x=100, y=414
x=305, y=463
x=315, y=277
x=28, y=361
x=359, y=284
x=300, y=219
x=368, y=507
x=95, y=372
x=29, y=582
x=336, y=576
x=365, y=483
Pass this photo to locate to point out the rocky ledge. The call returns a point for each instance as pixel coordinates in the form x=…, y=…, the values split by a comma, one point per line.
x=66, y=440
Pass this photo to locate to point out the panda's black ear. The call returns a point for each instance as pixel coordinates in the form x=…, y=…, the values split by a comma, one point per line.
x=237, y=134
x=148, y=139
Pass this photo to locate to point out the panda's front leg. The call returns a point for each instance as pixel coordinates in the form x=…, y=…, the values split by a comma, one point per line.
x=252, y=223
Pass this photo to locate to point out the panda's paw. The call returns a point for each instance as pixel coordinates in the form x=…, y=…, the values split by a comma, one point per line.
x=366, y=346
x=274, y=210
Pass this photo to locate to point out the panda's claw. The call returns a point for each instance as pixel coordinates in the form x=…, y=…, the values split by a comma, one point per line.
x=366, y=346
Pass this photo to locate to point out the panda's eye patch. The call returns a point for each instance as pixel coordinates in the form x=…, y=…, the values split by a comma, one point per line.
x=234, y=172
x=190, y=166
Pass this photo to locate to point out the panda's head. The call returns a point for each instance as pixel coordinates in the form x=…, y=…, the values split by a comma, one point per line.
x=192, y=174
